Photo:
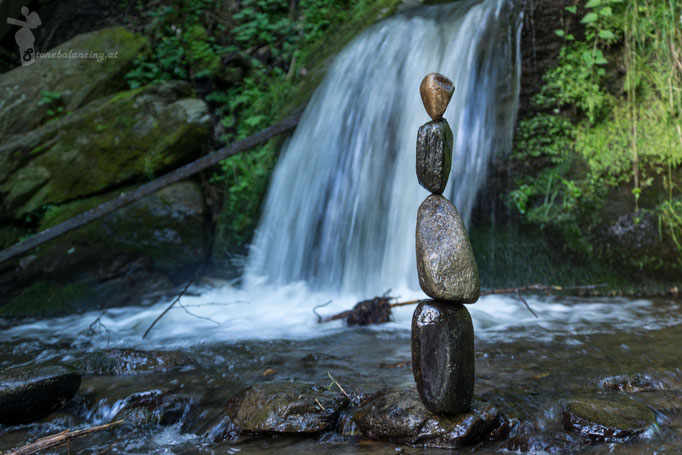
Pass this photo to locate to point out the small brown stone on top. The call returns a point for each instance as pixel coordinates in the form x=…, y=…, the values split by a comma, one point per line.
x=436, y=91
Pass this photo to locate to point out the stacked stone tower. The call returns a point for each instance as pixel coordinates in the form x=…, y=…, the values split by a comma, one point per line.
x=442, y=331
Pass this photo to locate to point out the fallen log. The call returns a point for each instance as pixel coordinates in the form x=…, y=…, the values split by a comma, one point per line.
x=124, y=199
x=58, y=439
x=378, y=309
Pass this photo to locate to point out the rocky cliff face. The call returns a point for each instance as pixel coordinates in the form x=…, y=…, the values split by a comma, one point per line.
x=73, y=137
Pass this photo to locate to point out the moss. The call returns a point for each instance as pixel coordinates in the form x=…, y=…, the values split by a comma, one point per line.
x=46, y=298
x=130, y=136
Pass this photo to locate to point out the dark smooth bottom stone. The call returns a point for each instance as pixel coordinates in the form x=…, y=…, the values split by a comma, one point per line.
x=30, y=393
x=443, y=356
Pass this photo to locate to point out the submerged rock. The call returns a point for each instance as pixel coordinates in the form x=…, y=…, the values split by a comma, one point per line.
x=445, y=260
x=398, y=415
x=443, y=356
x=436, y=91
x=155, y=407
x=606, y=419
x=285, y=407
x=130, y=361
x=30, y=393
x=434, y=155
x=554, y=443
x=662, y=380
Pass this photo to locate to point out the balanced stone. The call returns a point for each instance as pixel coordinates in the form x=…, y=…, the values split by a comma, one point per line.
x=443, y=356
x=436, y=91
x=434, y=155
x=445, y=260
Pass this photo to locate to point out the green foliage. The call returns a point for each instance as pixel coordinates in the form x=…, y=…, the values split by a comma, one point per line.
x=53, y=102
x=587, y=141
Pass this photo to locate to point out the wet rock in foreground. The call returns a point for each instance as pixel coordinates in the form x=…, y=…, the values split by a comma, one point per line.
x=285, y=407
x=443, y=356
x=398, y=415
x=155, y=407
x=607, y=419
x=30, y=393
x=547, y=443
x=634, y=383
x=130, y=361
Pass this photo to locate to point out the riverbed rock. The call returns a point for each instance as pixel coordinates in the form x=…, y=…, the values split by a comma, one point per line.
x=643, y=382
x=285, y=407
x=398, y=415
x=436, y=91
x=443, y=356
x=609, y=418
x=445, y=260
x=434, y=155
x=29, y=393
x=155, y=407
x=130, y=361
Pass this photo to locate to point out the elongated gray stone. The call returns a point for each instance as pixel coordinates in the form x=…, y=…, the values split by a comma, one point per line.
x=445, y=260
x=434, y=155
x=443, y=356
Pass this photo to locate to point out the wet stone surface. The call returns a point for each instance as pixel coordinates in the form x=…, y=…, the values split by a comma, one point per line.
x=609, y=418
x=434, y=155
x=398, y=415
x=436, y=91
x=155, y=407
x=445, y=260
x=30, y=393
x=285, y=407
x=130, y=361
x=443, y=356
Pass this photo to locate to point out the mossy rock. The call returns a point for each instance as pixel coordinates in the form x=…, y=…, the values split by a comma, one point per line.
x=127, y=137
x=75, y=81
x=607, y=419
x=140, y=250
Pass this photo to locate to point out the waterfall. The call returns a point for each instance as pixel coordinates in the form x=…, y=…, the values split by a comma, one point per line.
x=341, y=209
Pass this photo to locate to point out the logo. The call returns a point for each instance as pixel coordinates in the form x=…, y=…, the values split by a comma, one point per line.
x=24, y=37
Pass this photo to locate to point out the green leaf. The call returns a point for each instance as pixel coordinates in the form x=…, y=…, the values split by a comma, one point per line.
x=589, y=18
x=559, y=32
x=606, y=11
x=570, y=37
x=588, y=58
x=593, y=4
x=606, y=34
x=572, y=9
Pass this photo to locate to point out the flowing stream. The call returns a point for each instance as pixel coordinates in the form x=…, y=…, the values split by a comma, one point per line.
x=338, y=227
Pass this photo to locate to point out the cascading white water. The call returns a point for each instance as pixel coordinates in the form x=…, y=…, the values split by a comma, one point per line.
x=341, y=209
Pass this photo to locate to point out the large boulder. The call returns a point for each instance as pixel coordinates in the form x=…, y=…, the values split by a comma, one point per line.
x=137, y=251
x=73, y=82
x=117, y=140
x=30, y=393
x=90, y=141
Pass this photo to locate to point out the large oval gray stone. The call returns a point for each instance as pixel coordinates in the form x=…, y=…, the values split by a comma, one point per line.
x=434, y=155
x=445, y=260
x=30, y=393
x=443, y=356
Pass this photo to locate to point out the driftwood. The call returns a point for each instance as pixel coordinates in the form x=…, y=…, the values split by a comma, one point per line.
x=58, y=439
x=378, y=309
x=124, y=199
